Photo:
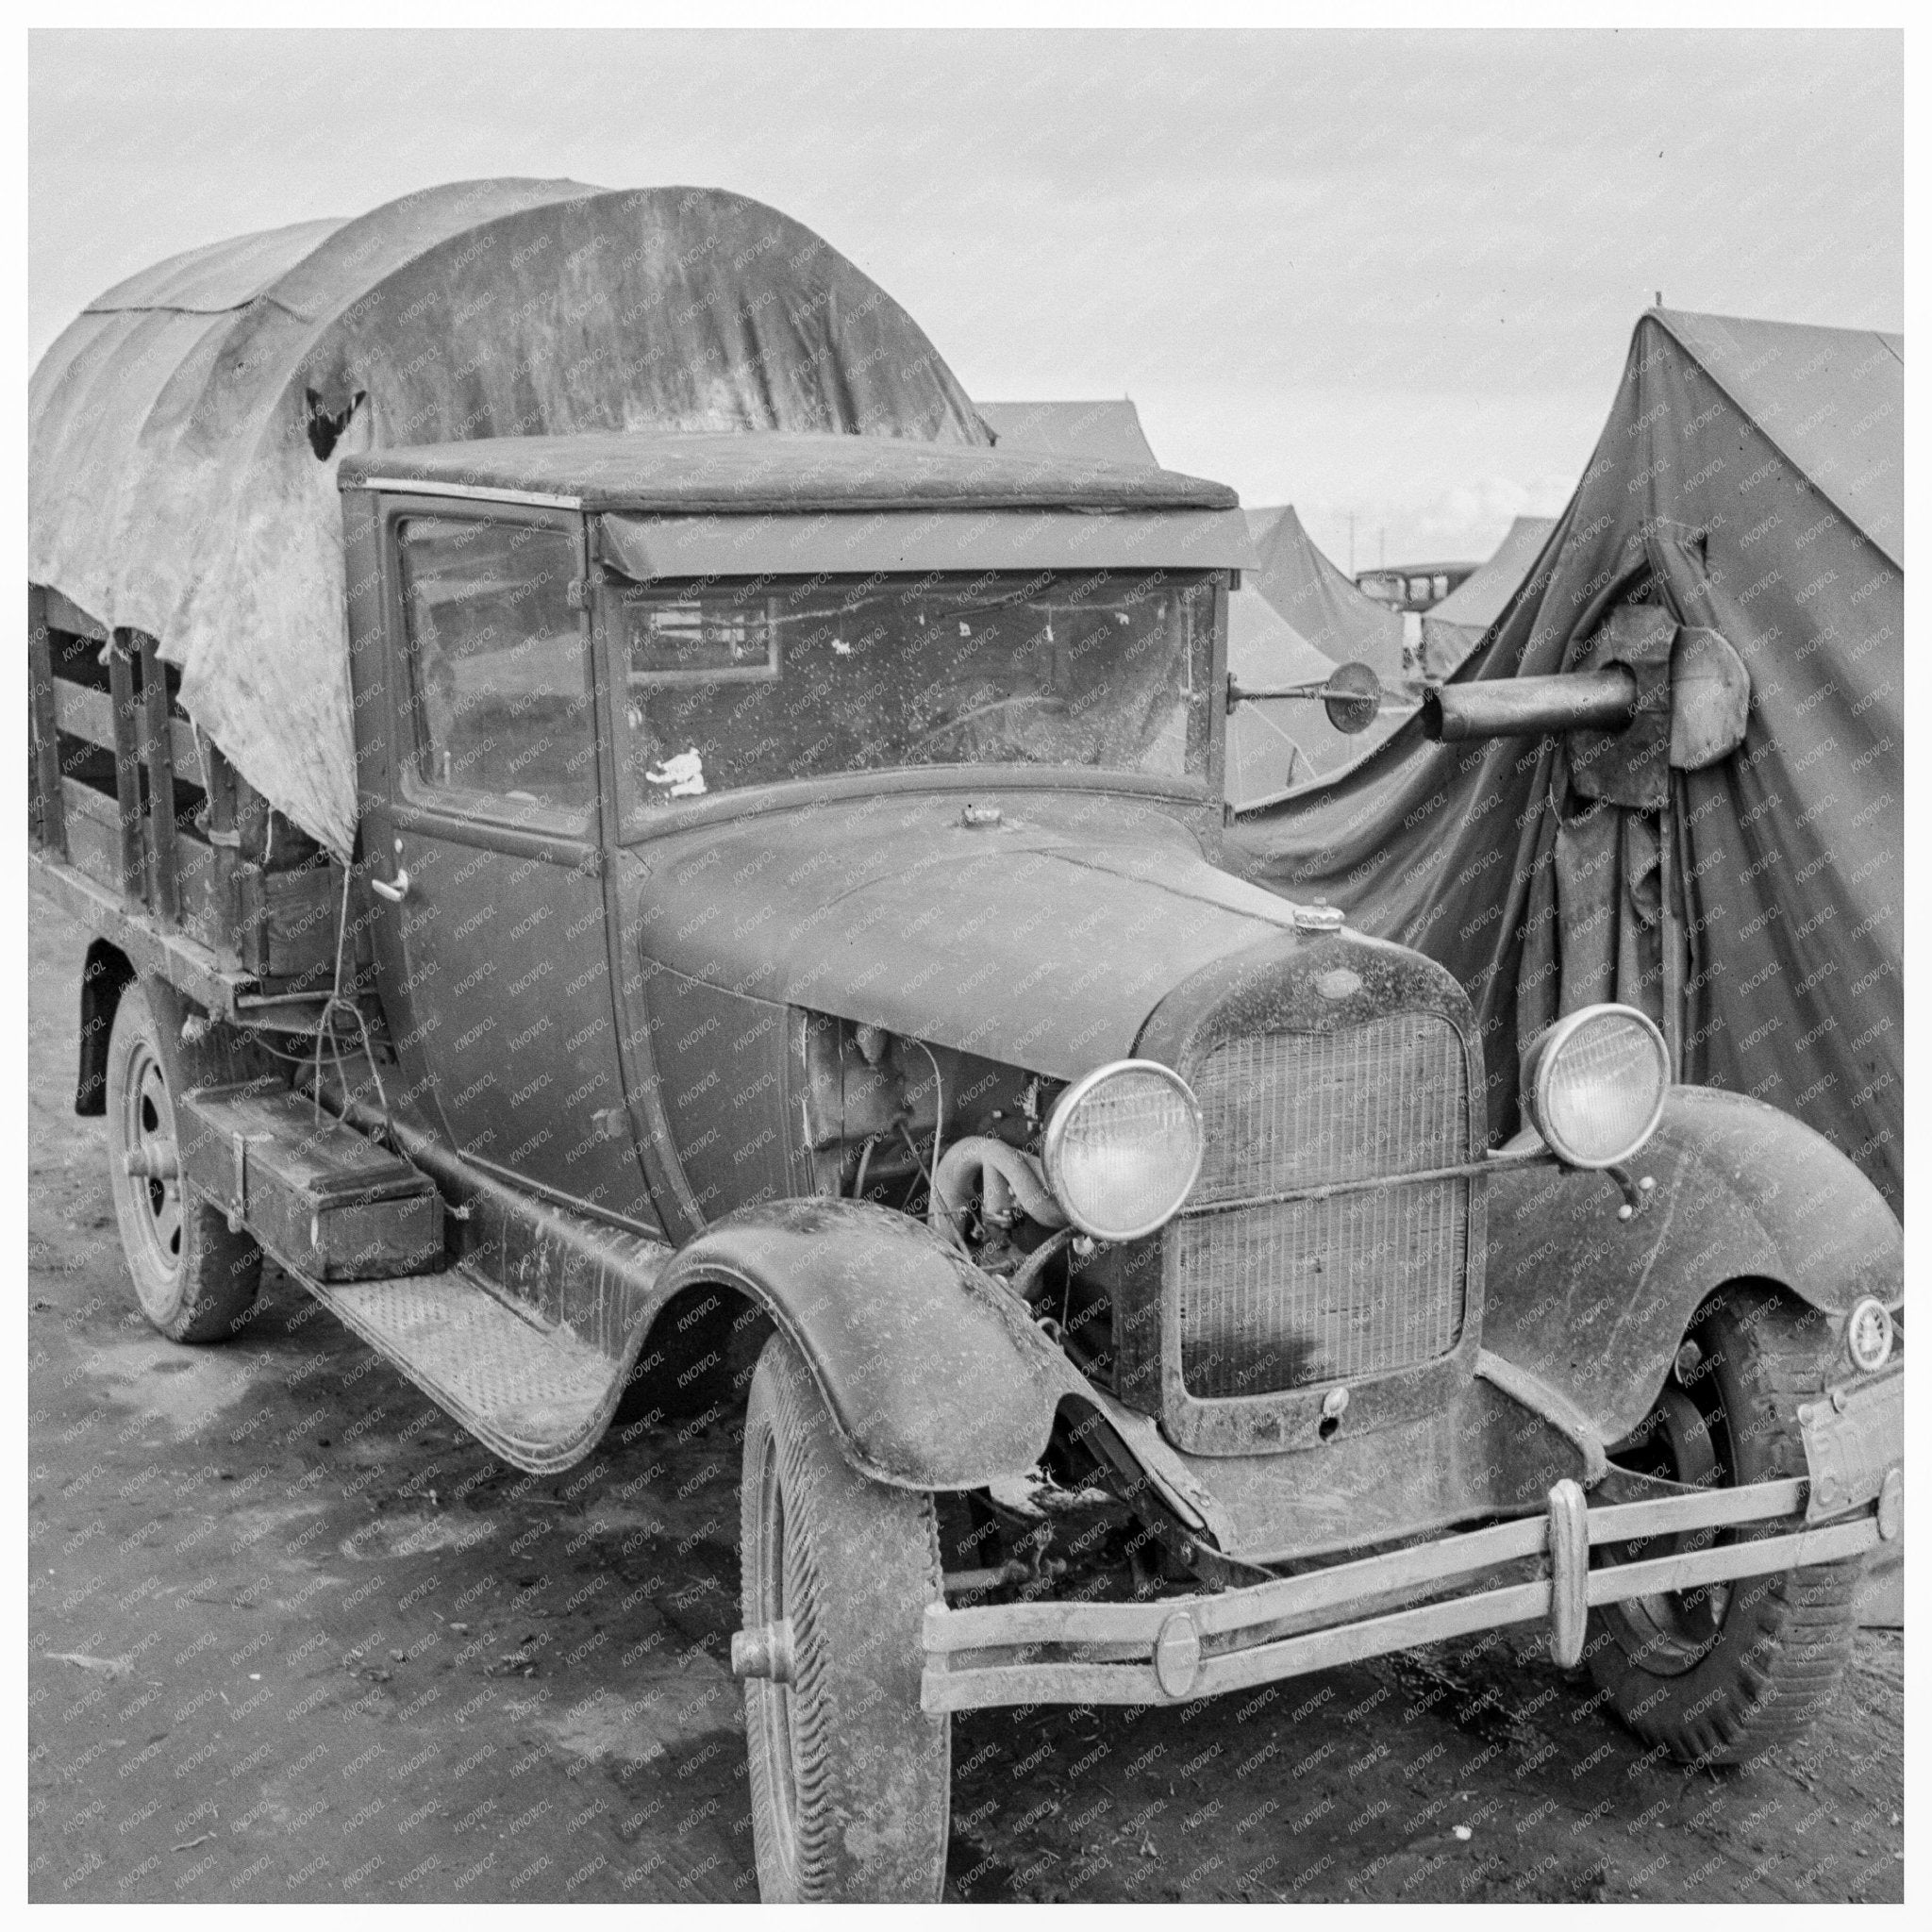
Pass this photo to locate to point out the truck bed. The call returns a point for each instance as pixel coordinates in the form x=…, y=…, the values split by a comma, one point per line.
x=145, y=832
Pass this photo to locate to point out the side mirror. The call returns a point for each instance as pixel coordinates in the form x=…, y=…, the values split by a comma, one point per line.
x=1352, y=697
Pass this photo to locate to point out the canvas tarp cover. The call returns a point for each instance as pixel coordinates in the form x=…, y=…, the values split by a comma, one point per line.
x=1749, y=479
x=186, y=430
x=1455, y=626
x=1318, y=600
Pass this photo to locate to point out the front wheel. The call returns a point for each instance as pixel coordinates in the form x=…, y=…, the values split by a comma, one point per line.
x=850, y=1780
x=195, y=1278
x=1721, y=1674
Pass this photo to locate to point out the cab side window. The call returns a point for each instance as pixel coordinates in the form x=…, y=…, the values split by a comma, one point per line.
x=497, y=678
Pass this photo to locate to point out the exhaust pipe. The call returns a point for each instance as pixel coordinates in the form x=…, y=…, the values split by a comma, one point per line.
x=1530, y=706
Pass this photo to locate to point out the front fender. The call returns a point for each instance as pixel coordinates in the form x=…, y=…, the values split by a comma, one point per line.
x=1597, y=1307
x=932, y=1374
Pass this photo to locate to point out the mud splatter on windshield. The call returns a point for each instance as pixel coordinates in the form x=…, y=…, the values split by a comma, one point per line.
x=734, y=685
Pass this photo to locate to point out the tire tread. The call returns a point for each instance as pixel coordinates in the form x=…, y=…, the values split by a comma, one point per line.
x=859, y=1833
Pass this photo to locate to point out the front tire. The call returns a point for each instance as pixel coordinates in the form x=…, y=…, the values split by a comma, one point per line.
x=850, y=1780
x=194, y=1279
x=1723, y=1674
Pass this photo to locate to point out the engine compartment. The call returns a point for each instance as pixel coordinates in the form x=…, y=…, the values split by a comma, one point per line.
x=955, y=1139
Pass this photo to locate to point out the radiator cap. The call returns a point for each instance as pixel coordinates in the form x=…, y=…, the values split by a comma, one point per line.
x=1320, y=917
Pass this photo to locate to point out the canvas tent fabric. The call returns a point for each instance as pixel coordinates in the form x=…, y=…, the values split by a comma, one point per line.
x=1455, y=626
x=1276, y=746
x=1315, y=597
x=186, y=430
x=1828, y=398
x=1273, y=747
x=1759, y=917
x=1294, y=618
x=1108, y=428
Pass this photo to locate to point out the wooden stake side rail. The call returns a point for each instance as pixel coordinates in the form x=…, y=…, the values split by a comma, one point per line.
x=987, y=1655
x=125, y=796
x=82, y=711
x=127, y=778
x=49, y=823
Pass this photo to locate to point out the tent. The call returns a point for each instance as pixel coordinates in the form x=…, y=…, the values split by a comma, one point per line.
x=185, y=430
x=1297, y=609
x=1749, y=479
x=1319, y=601
x=1455, y=626
x=1275, y=746
x=1109, y=429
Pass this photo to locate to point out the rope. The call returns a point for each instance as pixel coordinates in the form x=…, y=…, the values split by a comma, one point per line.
x=326, y=1025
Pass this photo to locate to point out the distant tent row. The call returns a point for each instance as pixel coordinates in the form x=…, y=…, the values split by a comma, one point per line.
x=1454, y=628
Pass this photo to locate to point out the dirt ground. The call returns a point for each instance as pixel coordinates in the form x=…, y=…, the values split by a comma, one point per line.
x=295, y=1636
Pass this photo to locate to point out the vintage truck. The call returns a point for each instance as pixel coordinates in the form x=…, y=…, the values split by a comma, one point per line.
x=783, y=969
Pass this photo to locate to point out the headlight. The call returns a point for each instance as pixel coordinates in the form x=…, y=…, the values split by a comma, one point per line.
x=1123, y=1147
x=1867, y=1334
x=1595, y=1085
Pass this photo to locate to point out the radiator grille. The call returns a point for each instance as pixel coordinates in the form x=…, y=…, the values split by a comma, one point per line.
x=1280, y=1294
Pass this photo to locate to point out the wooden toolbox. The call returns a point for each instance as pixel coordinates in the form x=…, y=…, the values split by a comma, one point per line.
x=317, y=1195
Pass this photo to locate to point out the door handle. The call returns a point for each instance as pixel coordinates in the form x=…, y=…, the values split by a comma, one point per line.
x=394, y=892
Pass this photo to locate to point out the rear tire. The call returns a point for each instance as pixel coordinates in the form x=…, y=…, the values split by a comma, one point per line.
x=1722, y=1676
x=194, y=1279
x=850, y=1780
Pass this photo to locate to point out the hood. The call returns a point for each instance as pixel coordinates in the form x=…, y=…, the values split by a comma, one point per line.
x=1043, y=941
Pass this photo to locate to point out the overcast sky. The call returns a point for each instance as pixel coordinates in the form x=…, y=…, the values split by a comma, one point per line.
x=1392, y=275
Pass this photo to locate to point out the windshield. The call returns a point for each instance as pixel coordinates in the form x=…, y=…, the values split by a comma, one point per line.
x=740, y=684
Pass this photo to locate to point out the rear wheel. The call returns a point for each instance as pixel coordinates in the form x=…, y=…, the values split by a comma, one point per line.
x=1721, y=1673
x=194, y=1279
x=850, y=1780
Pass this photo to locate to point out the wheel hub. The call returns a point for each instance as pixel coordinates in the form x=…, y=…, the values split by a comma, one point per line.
x=150, y=1162
x=1670, y=1630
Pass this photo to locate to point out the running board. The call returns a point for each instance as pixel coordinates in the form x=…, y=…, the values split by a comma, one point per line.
x=538, y=1397
x=527, y=1329
x=526, y=1334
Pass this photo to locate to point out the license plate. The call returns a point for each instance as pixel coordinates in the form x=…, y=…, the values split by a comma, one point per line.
x=1852, y=1436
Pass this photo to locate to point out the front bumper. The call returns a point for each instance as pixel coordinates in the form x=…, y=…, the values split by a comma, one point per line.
x=1176, y=1649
